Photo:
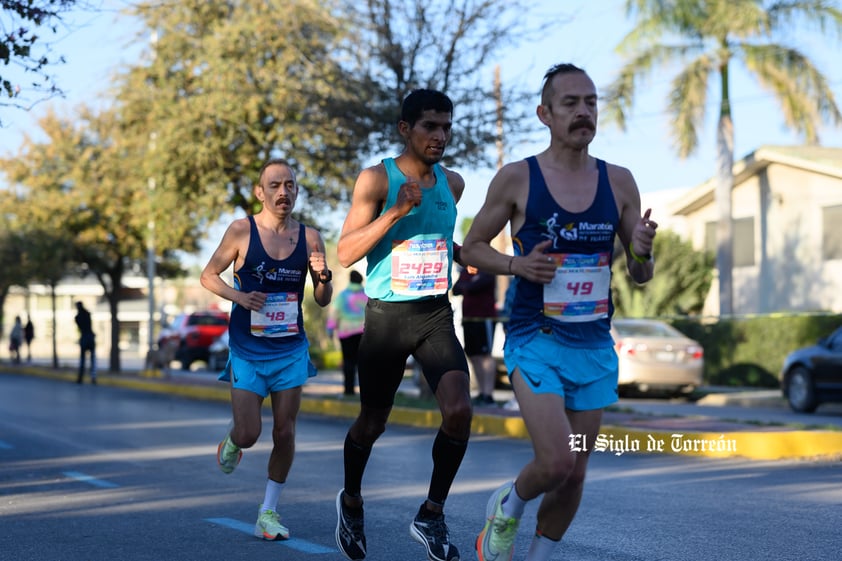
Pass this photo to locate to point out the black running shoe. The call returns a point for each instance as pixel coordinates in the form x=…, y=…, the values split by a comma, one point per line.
x=429, y=529
x=350, y=530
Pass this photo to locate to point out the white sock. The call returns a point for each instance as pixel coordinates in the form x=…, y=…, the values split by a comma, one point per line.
x=541, y=548
x=272, y=496
x=513, y=505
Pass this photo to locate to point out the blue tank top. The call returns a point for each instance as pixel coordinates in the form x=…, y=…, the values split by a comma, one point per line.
x=413, y=260
x=577, y=305
x=277, y=330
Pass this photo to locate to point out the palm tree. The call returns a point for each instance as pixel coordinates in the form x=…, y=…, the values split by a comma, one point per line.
x=704, y=37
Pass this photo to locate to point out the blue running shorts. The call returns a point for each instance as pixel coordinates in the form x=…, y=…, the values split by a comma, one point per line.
x=585, y=378
x=266, y=376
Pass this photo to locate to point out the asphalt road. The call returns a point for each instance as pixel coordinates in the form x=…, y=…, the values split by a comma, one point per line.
x=758, y=406
x=102, y=473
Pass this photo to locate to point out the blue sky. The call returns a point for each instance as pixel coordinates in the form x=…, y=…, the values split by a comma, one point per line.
x=585, y=34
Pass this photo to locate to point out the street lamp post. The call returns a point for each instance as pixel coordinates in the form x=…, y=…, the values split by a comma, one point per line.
x=150, y=268
x=150, y=242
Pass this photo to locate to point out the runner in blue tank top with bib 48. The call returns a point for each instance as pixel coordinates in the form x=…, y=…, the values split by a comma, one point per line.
x=272, y=254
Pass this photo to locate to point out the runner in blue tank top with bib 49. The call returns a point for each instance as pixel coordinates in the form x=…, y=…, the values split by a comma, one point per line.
x=565, y=209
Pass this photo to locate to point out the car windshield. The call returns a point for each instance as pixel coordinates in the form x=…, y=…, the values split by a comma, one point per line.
x=646, y=329
x=835, y=340
x=207, y=320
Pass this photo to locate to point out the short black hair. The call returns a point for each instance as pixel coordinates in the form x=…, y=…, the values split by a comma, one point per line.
x=421, y=100
x=555, y=70
x=274, y=162
x=355, y=277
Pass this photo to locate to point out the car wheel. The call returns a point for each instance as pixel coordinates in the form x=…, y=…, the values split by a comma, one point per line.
x=799, y=390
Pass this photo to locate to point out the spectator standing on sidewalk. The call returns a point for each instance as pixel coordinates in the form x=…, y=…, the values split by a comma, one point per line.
x=479, y=295
x=87, y=342
x=347, y=321
x=28, y=336
x=16, y=340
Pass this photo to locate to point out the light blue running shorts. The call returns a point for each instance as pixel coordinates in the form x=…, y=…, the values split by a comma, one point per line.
x=266, y=376
x=586, y=378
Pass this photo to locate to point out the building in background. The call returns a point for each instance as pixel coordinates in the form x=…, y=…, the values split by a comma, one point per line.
x=787, y=225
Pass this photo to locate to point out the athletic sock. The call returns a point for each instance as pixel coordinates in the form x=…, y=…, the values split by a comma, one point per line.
x=356, y=458
x=513, y=505
x=272, y=496
x=447, y=457
x=541, y=548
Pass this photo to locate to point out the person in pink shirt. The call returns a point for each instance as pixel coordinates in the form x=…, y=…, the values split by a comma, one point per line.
x=347, y=317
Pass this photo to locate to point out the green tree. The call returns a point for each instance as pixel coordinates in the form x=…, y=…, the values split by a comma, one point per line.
x=705, y=39
x=44, y=253
x=85, y=182
x=223, y=90
x=46, y=256
x=9, y=253
x=25, y=29
x=230, y=84
x=681, y=282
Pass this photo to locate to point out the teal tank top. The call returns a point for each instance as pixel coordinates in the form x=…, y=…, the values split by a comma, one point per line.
x=413, y=260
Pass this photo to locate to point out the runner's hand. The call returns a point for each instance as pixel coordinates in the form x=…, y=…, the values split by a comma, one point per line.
x=536, y=266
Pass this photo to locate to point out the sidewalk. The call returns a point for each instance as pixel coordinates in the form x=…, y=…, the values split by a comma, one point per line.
x=622, y=431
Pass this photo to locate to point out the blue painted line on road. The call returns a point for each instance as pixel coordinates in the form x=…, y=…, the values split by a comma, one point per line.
x=79, y=476
x=300, y=545
x=5, y=445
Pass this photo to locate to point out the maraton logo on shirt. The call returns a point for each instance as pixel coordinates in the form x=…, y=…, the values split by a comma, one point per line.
x=283, y=274
x=573, y=231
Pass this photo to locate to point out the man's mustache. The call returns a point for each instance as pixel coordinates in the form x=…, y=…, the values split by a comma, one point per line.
x=581, y=123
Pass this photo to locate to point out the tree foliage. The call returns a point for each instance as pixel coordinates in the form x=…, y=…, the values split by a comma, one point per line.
x=703, y=39
x=231, y=84
x=23, y=47
x=448, y=46
x=224, y=90
x=85, y=184
x=9, y=253
x=680, y=285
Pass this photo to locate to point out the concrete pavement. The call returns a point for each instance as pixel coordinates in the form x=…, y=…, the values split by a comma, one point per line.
x=624, y=429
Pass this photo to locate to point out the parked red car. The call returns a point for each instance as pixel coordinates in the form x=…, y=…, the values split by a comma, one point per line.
x=191, y=335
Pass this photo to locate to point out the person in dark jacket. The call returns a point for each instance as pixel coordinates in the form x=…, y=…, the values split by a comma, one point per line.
x=87, y=342
x=478, y=290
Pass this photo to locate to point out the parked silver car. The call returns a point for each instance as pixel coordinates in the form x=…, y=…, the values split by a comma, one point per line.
x=218, y=353
x=656, y=358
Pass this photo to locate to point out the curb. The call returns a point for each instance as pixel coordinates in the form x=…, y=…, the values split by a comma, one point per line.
x=777, y=443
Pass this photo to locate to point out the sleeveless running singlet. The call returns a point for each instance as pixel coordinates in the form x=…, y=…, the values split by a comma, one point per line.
x=277, y=330
x=577, y=305
x=414, y=258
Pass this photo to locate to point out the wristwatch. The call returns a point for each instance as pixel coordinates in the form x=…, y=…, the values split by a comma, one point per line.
x=325, y=276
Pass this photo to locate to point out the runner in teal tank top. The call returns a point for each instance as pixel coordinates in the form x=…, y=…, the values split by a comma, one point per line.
x=401, y=221
x=565, y=209
x=413, y=260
